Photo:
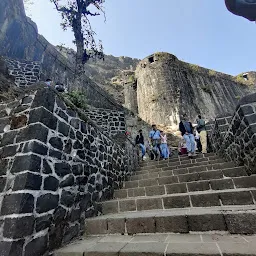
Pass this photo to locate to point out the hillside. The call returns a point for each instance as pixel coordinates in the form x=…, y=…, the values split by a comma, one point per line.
x=106, y=73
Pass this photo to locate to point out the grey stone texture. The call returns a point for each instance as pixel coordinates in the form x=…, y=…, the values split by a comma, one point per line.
x=237, y=142
x=55, y=177
x=167, y=87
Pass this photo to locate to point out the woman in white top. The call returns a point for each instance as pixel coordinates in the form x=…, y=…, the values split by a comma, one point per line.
x=163, y=146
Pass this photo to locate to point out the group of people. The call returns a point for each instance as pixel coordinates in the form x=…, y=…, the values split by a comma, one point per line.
x=157, y=144
x=192, y=138
x=58, y=86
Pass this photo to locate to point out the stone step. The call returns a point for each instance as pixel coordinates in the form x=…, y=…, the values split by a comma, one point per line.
x=162, y=245
x=197, y=169
x=195, y=175
x=214, y=164
x=190, y=199
x=216, y=183
x=165, y=164
x=177, y=159
x=234, y=219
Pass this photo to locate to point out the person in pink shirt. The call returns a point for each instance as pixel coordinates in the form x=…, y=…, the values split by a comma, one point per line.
x=164, y=146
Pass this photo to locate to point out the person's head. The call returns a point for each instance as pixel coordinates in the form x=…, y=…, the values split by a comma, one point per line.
x=48, y=81
x=184, y=117
x=154, y=127
x=140, y=131
x=199, y=116
x=162, y=132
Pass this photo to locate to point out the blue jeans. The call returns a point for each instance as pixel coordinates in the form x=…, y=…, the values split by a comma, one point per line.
x=164, y=150
x=143, y=150
x=190, y=142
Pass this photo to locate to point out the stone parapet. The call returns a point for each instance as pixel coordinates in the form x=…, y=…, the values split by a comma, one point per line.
x=55, y=165
x=235, y=137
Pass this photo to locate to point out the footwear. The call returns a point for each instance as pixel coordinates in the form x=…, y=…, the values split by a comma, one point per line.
x=189, y=154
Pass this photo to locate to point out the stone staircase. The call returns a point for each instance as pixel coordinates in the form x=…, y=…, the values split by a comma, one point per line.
x=201, y=206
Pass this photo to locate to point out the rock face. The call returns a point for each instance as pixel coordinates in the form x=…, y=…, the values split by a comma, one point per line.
x=167, y=87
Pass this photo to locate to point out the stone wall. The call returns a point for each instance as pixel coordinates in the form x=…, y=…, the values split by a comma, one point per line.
x=237, y=141
x=112, y=122
x=24, y=72
x=167, y=87
x=55, y=165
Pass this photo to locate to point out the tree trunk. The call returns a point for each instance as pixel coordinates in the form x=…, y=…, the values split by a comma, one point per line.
x=79, y=40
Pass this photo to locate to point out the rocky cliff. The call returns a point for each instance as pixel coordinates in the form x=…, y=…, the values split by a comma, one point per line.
x=167, y=87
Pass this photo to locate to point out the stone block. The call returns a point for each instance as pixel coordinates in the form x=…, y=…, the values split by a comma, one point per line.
x=68, y=181
x=44, y=98
x=56, y=142
x=122, y=193
x=127, y=205
x=63, y=115
x=222, y=184
x=96, y=226
x=168, y=180
x=75, y=123
x=192, y=249
x=245, y=182
x=33, y=132
x=27, y=181
x=205, y=200
x=67, y=198
x=8, y=151
x=55, y=154
x=234, y=172
x=140, y=225
x=8, y=138
x=147, y=183
x=41, y=115
x=176, y=188
x=37, y=246
x=35, y=147
x=46, y=167
x=62, y=169
x=3, y=166
x=116, y=226
x=176, y=202
x=63, y=128
x=198, y=186
x=149, y=204
x=51, y=183
x=141, y=249
x=206, y=222
x=17, y=228
x=110, y=207
x=2, y=183
x=17, y=203
x=189, y=177
x=250, y=119
x=236, y=198
x=46, y=203
x=11, y=248
x=43, y=222
x=155, y=190
x=138, y=192
x=101, y=249
x=30, y=163
x=241, y=223
x=197, y=169
x=171, y=224
x=131, y=184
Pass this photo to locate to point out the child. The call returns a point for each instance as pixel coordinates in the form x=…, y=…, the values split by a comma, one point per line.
x=163, y=146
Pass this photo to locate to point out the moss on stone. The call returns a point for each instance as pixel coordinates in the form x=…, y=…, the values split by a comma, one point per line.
x=212, y=72
x=78, y=98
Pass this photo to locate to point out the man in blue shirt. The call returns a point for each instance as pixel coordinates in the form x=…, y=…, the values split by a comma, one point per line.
x=155, y=138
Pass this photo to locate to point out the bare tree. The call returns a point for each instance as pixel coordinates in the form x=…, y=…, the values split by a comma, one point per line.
x=75, y=15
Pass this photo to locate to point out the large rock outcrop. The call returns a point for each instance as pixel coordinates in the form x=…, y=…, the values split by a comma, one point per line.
x=167, y=87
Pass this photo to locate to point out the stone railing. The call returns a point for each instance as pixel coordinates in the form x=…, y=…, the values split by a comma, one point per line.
x=235, y=138
x=55, y=166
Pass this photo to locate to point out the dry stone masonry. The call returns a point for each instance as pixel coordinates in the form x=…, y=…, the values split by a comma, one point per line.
x=55, y=166
x=25, y=72
x=112, y=122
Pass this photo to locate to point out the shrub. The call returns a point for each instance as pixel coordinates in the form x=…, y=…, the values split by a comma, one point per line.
x=194, y=67
x=212, y=72
x=78, y=98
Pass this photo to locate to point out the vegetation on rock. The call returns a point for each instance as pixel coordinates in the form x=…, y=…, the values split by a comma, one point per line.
x=78, y=98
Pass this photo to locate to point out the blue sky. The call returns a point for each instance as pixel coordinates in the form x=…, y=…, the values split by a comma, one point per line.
x=201, y=32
